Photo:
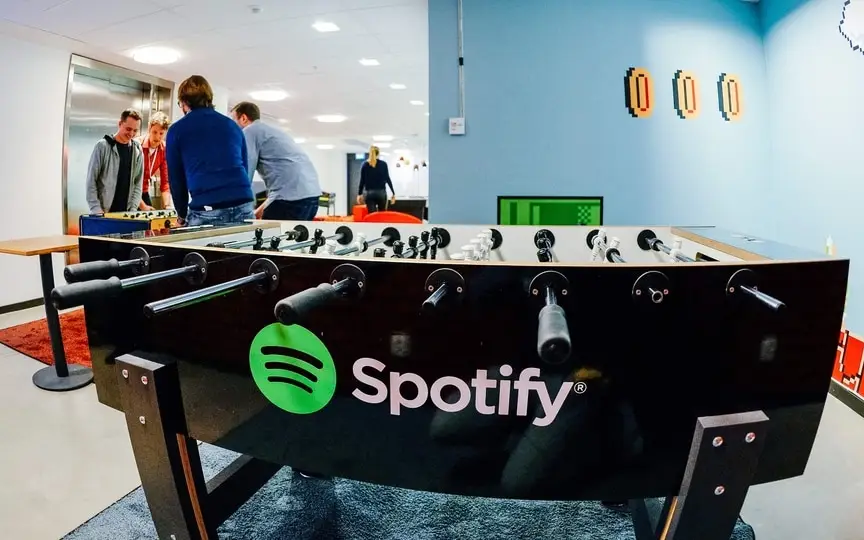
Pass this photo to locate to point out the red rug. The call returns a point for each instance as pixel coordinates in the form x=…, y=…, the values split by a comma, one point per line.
x=32, y=339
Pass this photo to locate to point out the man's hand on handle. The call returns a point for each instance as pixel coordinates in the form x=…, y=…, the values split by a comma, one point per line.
x=359, y=199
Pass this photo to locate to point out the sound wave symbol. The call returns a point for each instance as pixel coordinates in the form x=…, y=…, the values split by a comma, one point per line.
x=285, y=366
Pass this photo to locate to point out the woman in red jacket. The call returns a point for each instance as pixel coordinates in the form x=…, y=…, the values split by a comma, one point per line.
x=155, y=164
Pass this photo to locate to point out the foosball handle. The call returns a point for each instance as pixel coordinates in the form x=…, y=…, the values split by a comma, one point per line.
x=296, y=307
x=78, y=294
x=553, y=336
x=86, y=271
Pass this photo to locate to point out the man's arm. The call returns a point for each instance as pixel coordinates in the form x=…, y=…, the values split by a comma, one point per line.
x=389, y=182
x=94, y=173
x=179, y=192
x=164, y=184
x=138, y=176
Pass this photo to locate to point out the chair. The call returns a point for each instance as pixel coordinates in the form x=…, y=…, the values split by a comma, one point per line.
x=391, y=217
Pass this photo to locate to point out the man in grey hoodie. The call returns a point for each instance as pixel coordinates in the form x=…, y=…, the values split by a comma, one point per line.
x=116, y=171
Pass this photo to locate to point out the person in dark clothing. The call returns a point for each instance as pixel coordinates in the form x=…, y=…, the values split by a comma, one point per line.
x=374, y=178
x=207, y=159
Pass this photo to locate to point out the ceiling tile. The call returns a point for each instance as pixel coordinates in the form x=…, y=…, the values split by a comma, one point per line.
x=75, y=17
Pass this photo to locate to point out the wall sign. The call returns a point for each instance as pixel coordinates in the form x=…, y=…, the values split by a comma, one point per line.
x=729, y=96
x=639, y=92
x=685, y=92
x=852, y=24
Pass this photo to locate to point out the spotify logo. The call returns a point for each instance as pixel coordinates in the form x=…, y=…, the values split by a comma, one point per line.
x=292, y=368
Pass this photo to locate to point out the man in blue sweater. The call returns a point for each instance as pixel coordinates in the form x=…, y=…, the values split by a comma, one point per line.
x=207, y=160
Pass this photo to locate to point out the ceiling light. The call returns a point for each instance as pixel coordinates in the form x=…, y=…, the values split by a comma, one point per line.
x=403, y=152
x=268, y=95
x=385, y=153
x=325, y=27
x=330, y=118
x=384, y=145
x=325, y=147
x=299, y=140
x=398, y=86
x=155, y=55
x=415, y=102
x=283, y=121
x=369, y=62
x=382, y=138
x=427, y=114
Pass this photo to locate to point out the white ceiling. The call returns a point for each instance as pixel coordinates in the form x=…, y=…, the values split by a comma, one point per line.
x=276, y=48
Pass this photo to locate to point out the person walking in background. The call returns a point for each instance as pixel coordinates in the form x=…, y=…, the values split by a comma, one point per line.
x=207, y=160
x=115, y=172
x=292, y=184
x=375, y=177
x=155, y=164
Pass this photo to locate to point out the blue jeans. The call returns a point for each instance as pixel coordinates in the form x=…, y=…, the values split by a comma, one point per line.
x=299, y=210
x=222, y=216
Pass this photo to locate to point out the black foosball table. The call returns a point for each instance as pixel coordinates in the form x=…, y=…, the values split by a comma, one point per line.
x=560, y=363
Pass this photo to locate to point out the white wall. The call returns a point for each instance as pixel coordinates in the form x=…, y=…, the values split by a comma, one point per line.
x=332, y=170
x=33, y=78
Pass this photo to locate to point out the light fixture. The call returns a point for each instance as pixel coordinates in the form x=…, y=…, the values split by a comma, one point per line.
x=398, y=86
x=283, y=121
x=385, y=153
x=325, y=147
x=369, y=62
x=427, y=114
x=300, y=140
x=384, y=145
x=330, y=118
x=415, y=102
x=268, y=95
x=155, y=55
x=382, y=138
x=323, y=26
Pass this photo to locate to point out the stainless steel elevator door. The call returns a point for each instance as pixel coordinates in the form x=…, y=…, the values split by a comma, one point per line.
x=95, y=107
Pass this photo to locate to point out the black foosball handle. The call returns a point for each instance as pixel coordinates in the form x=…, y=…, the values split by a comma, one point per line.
x=553, y=336
x=296, y=307
x=78, y=294
x=86, y=271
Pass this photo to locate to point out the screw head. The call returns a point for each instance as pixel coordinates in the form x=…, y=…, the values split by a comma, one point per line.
x=459, y=290
x=718, y=441
x=731, y=289
x=274, y=277
x=143, y=379
x=719, y=490
x=142, y=419
x=430, y=288
x=750, y=437
x=564, y=292
x=535, y=292
x=665, y=292
x=360, y=284
x=125, y=373
x=638, y=292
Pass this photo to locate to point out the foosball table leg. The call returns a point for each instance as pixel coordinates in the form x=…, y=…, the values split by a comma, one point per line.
x=723, y=459
x=167, y=459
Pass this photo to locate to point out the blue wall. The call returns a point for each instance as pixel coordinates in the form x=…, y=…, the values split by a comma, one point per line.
x=816, y=84
x=545, y=109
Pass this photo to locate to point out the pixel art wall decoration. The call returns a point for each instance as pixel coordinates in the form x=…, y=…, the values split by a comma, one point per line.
x=685, y=92
x=639, y=92
x=848, y=365
x=852, y=24
x=729, y=97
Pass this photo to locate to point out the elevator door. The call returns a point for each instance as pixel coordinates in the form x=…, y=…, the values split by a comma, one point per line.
x=94, y=111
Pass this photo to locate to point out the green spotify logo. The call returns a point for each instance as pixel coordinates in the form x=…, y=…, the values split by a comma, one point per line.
x=292, y=368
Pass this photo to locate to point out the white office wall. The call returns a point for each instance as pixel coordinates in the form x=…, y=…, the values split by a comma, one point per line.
x=332, y=174
x=33, y=78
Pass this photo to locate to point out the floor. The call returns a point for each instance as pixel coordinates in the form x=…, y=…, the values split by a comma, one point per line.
x=65, y=457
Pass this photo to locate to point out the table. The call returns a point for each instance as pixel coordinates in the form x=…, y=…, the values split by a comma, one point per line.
x=60, y=377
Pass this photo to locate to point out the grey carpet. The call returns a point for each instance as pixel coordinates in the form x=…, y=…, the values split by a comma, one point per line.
x=292, y=507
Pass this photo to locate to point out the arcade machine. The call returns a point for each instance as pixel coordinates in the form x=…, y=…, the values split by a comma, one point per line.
x=544, y=363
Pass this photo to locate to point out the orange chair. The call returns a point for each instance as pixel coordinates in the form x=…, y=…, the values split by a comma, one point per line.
x=391, y=217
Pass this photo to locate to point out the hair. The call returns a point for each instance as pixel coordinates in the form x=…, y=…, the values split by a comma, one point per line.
x=373, y=155
x=196, y=92
x=160, y=119
x=252, y=112
x=130, y=113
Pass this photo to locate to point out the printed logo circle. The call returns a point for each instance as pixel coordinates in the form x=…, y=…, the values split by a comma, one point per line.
x=292, y=368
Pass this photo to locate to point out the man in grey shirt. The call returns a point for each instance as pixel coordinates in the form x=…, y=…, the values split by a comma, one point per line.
x=292, y=184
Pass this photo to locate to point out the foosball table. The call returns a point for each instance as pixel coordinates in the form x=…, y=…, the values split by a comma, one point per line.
x=127, y=222
x=560, y=363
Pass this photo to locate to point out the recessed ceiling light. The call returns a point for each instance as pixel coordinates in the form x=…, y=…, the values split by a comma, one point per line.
x=155, y=55
x=325, y=147
x=382, y=138
x=300, y=140
x=369, y=62
x=330, y=118
x=398, y=86
x=384, y=145
x=283, y=121
x=403, y=152
x=322, y=26
x=427, y=114
x=415, y=102
x=385, y=153
x=268, y=95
